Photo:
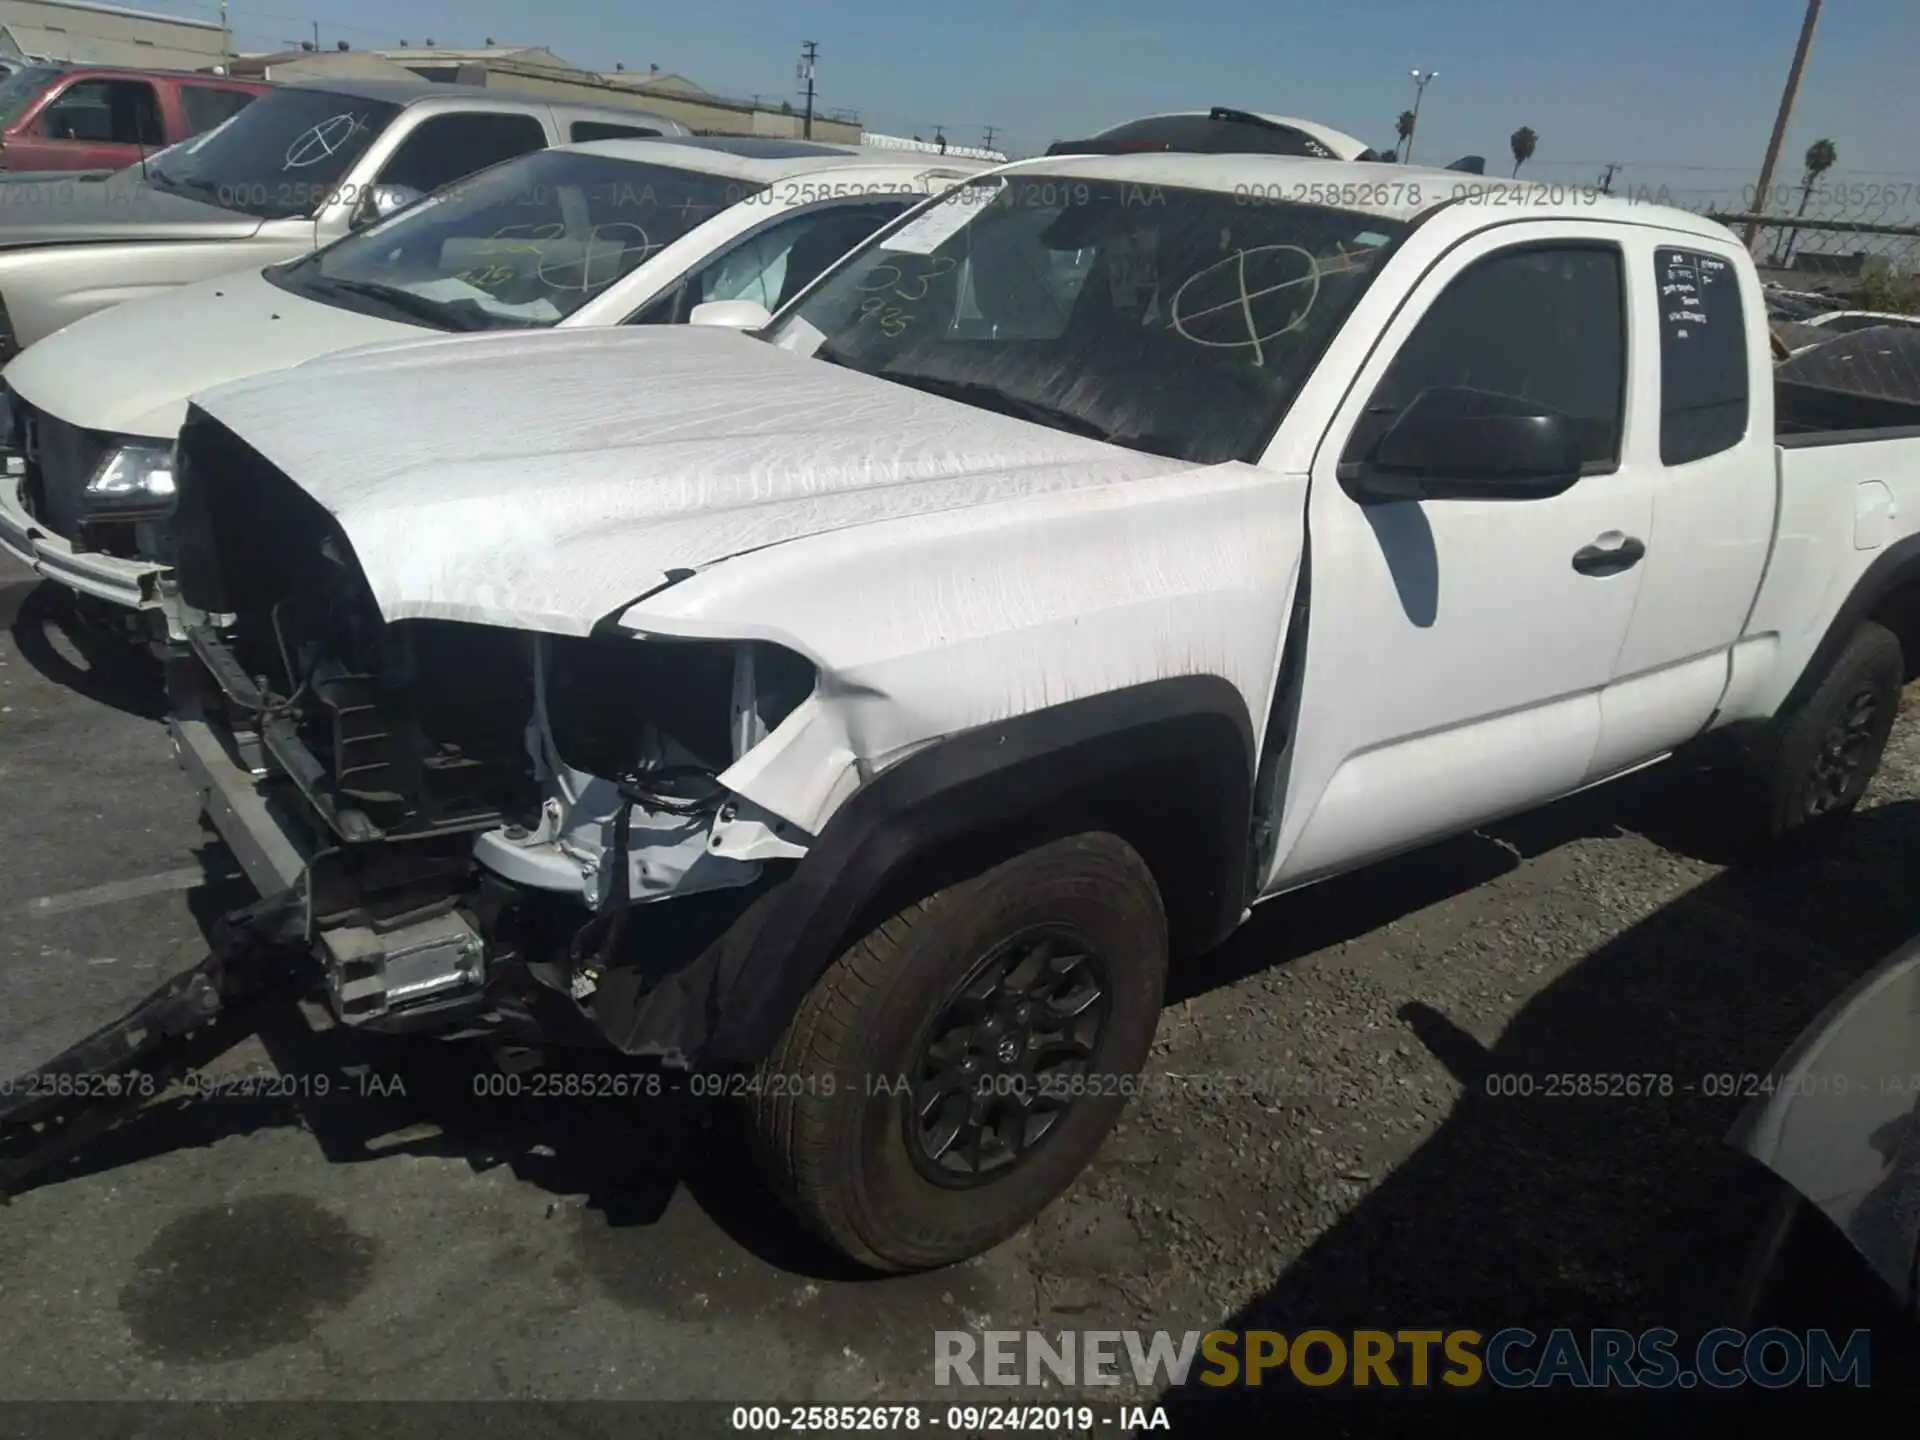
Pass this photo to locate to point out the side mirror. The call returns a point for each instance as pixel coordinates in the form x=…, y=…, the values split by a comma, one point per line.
x=1453, y=443
x=382, y=201
x=730, y=314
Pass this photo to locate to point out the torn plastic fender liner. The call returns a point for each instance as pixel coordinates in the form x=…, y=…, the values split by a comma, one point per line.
x=1171, y=761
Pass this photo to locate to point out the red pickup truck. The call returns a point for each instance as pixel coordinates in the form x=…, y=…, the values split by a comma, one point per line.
x=93, y=117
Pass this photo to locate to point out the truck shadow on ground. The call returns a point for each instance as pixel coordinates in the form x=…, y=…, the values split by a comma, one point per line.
x=1533, y=1211
x=366, y=1097
x=1544, y=1210
x=85, y=658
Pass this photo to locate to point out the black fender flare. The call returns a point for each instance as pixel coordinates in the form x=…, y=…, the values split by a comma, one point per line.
x=1169, y=765
x=1896, y=568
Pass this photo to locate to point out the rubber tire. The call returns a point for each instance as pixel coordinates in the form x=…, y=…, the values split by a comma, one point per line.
x=832, y=1142
x=1872, y=654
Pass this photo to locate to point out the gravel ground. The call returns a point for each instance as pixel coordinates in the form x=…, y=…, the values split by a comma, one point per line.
x=1317, y=1146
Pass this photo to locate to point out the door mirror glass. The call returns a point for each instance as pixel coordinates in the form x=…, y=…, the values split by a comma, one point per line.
x=1453, y=443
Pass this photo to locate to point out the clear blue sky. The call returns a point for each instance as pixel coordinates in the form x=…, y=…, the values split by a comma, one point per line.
x=1680, y=92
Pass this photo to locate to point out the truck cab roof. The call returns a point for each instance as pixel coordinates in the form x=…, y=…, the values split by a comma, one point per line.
x=1409, y=194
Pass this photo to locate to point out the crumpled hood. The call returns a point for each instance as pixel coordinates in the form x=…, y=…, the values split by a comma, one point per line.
x=129, y=369
x=71, y=211
x=545, y=480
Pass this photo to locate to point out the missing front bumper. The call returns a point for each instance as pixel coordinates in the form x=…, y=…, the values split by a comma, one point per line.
x=132, y=584
x=376, y=976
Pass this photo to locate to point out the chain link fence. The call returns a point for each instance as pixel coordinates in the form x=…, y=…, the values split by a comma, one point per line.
x=1855, y=240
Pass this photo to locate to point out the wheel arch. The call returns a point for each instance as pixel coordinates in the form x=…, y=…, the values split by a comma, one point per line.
x=1167, y=765
x=1887, y=593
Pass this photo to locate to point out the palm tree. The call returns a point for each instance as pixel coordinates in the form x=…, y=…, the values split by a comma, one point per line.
x=1403, y=127
x=1821, y=157
x=1523, y=142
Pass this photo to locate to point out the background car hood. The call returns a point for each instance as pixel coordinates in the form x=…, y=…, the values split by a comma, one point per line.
x=545, y=480
x=70, y=211
x=128, y=370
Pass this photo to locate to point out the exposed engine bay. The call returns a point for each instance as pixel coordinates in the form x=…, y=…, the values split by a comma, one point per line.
x=475, y=810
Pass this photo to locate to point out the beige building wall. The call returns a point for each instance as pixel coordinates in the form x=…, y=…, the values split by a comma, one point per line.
x=109, y=35
x=538, y=71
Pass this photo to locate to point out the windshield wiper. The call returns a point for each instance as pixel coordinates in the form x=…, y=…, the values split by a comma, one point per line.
x=205, y=191
x=434, y=312
x=988, y=397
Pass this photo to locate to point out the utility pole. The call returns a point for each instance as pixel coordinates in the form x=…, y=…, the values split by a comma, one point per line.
x=1791, y=93
x=1420, y=79
x=226, y=40
x=809, y=52
x=990, y=130
x=1606, y=180
x=316, y=37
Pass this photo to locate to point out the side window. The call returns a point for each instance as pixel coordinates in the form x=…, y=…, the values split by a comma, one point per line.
x=581, y=131
x=449, y=147
x=773, y=265
x=1703, y=356
x=1545, y=323
x=104, y=112
x=206, y=106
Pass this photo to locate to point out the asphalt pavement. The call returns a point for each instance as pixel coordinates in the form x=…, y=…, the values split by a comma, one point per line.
x=1321, y=1142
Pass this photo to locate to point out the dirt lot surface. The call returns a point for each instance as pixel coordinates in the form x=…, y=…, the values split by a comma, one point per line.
x=1321, y=1143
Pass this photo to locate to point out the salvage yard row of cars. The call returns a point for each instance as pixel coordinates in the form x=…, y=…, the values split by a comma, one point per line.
x=863, y=623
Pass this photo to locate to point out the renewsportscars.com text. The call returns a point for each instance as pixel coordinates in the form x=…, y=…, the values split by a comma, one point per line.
x=1511, y=1358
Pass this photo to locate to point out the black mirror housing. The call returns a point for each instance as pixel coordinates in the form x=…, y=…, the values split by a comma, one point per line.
x=1453, y=443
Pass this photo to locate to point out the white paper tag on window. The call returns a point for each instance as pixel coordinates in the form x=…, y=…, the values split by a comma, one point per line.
x=1133, y=272
x=799, y=337
x=931, y=229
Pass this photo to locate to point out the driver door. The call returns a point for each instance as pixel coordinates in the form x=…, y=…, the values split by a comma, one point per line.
x=1456, y=649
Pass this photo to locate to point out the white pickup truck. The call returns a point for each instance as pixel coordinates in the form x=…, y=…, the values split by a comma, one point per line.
x=881, y=702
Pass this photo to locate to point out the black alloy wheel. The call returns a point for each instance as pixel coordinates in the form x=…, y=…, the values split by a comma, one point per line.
x=1007, y=1057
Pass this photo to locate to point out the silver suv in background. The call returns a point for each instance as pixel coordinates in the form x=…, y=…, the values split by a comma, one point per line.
x=301, y=166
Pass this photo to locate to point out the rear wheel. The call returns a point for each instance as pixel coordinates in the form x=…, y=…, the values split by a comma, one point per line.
x=1818, y=762
x=953, y=1070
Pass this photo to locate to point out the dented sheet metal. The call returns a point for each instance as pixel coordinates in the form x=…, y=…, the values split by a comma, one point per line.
x=543, y=481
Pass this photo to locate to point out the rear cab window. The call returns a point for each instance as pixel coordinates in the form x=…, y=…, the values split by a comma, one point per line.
x=1705, y=399
x=582, y=131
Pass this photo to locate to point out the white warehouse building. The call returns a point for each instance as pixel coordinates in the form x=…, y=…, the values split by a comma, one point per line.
x=95, y=34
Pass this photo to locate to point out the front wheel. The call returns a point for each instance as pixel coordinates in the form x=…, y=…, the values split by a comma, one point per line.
x=956, y=1068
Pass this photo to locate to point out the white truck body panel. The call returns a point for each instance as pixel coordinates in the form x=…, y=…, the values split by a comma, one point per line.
x=945, y=567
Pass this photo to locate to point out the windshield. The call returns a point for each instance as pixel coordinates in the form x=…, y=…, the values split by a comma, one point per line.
x=19, y=90
x=1169, y=320
x=281, y=156
x=523, y=244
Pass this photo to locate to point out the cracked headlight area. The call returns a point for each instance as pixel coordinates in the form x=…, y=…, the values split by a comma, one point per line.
x=716, y=699
x=133, y=479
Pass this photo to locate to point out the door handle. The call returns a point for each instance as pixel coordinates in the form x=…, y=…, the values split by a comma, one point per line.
x=1623, y=553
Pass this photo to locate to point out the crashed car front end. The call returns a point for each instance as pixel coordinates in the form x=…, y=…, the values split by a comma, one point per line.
x=86, y=510
x=473, y=821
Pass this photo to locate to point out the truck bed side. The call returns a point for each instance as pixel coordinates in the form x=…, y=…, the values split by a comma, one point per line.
x=1847, y=549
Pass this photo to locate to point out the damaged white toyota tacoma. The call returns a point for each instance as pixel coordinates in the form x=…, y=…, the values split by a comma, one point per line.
x=882, y=701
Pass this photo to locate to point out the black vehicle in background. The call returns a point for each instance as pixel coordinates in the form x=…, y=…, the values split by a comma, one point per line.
x=1225, y=131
